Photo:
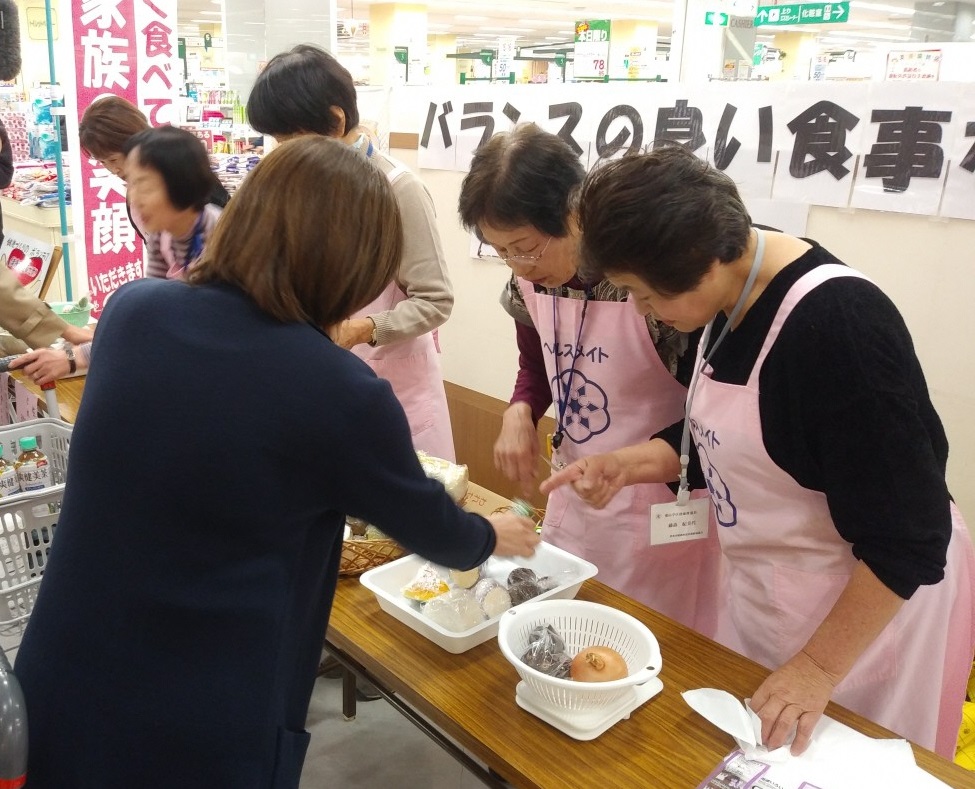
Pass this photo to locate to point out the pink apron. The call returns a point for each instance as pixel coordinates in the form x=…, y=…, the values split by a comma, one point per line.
x=620, y=394
x=786, y=565
x=412, y=368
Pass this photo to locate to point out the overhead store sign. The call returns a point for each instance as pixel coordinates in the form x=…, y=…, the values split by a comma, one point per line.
x=591, y=49
x=715, y=18
x=803, y=14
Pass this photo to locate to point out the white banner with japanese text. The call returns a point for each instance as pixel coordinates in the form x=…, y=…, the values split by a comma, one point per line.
x=885, y=146
x=126, y=48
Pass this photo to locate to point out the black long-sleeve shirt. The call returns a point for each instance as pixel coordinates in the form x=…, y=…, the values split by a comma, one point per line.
x=845, y=410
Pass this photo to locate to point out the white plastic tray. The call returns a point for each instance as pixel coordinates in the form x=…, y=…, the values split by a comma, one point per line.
x=388, y=580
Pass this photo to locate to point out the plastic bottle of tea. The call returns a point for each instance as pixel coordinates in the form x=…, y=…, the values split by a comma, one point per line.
x=33, y=467
x=9, y=482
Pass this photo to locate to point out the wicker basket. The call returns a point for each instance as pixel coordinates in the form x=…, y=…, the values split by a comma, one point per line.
x=361, y=555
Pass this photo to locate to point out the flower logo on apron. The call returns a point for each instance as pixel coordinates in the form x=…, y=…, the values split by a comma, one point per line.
x=724, y=508
x=586, y=406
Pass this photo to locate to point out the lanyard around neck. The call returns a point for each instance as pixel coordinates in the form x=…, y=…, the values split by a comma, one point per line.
x=363, y=142
x=683, y=494
x=562, y=401
x=195, y=248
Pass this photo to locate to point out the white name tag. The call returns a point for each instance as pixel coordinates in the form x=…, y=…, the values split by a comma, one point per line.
x=673, y=523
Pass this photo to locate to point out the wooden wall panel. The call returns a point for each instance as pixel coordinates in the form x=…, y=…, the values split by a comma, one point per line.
x=476, y=421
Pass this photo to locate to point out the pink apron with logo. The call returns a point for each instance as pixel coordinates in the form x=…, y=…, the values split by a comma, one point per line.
x=412, y=368
x=620, y=394
x=786, y=565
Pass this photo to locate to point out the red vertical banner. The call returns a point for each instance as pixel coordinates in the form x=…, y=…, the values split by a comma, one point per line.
x=126, y=48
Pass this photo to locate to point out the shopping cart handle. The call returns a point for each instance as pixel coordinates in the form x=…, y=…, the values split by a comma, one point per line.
x=51, y=399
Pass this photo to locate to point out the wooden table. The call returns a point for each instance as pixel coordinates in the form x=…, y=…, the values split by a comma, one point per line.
x=69, y=391
x=471, y=698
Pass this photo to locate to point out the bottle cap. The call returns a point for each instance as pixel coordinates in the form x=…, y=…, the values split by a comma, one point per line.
x=27, y=443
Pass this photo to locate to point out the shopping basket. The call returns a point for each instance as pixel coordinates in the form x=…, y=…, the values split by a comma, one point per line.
x=28, y=521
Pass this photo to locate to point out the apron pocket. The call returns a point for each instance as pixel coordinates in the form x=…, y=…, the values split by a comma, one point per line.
x=803, y=600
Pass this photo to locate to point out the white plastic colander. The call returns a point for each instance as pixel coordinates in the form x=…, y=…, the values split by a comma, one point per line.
x=581, y=624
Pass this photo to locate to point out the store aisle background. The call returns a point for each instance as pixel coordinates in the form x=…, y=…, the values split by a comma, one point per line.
x=379, y=749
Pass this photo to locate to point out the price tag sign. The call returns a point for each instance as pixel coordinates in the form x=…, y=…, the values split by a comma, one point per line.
x=591, y=49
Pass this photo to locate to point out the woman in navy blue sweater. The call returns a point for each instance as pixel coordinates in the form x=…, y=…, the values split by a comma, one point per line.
x=181, y=615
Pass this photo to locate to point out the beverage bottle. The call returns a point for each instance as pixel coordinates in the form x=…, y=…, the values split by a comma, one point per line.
x=13, y=724
x=33, y=467
x=9, y=482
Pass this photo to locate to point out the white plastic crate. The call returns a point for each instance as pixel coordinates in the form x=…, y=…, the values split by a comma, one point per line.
x=387, y=582
x=28, y=521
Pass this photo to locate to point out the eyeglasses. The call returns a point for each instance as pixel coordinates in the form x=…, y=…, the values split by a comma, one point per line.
x=526, y=260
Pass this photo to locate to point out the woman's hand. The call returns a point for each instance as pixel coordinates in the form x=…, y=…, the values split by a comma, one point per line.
x=793, y=697
x=516, y=450
x=596, y=479
x=43, y=365
x=515, y=535
x=77, y=335
x=355, y=331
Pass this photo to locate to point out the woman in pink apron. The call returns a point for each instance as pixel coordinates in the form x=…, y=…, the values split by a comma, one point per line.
x=608, y=373
x=307, y=91
x=848, y=570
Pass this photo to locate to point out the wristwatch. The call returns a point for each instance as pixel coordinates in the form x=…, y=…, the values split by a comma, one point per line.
x=374, y=339
x=68, y=349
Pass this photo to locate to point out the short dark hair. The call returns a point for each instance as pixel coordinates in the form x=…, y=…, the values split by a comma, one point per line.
x=525, y=176
x=107, y=125
x=317, y=259
x=182, y=162
x=664, y=216
x=295, y=92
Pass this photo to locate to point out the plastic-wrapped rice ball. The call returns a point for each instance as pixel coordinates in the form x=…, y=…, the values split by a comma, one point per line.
x=465, y=579
x=492, y=597
x=426, y=585
x=522, y=591
x=457, y=610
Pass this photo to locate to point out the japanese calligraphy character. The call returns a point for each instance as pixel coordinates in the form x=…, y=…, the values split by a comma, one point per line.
x=725, y=150
x=572, y=112
x=111, y=229
x=154, y=105
x=448, y=108
x=907, y=146
x=106, y=183
x=820, y=132
x=483, y=120
x=968, y=162
x=133, y=270
x=159, y=41
x=681, y=123
x=104, y=13
x=159, y=12
x=104, y=61
x=606, y=149
x=158, y=71
x=511, y=113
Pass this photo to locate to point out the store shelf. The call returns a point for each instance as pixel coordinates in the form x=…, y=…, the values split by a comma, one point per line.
x=47, y=218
